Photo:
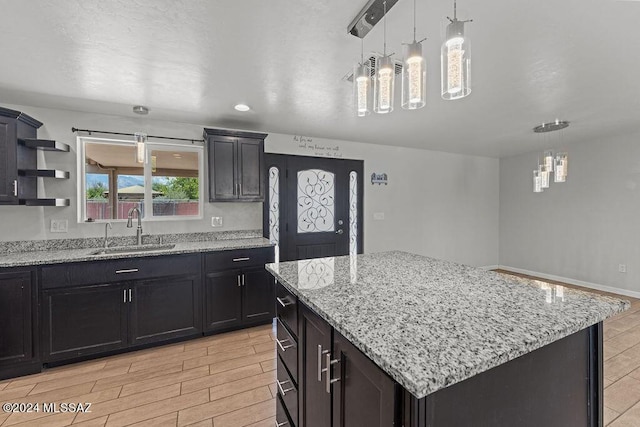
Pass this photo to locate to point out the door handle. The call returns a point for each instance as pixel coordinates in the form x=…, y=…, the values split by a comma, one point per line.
x=339, y=231
x=242, y=279
x=281, y=302
x=15, y=187
x=238, y=280
x=124, y=291
x=129, y=295
x=328, y=378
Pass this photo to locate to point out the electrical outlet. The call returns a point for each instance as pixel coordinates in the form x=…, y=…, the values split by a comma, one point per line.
x=59, y=226
x=378, y=216
x=216, y=221
x=622, y=268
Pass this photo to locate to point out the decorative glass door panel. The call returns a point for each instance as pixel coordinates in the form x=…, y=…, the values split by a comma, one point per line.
x=316, y=201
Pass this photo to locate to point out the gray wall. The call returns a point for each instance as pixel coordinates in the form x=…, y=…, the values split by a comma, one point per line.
x=436, y=204
x=582, y=229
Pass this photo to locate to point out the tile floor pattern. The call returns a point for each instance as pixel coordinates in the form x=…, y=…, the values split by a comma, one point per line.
x=228, y=380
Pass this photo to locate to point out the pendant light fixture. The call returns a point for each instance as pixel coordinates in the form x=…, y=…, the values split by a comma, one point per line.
x=552, y=165
x=414, y=73
x=456, y=59
x=385, y=77
x=141, y=139
x=362, y=86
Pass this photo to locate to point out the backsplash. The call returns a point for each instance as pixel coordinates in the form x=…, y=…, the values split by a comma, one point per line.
x=95, y=242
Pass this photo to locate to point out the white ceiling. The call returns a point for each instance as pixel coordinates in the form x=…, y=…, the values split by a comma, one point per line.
x=192, y=61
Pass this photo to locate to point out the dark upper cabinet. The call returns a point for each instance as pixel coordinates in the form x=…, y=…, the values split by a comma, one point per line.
x=236, y=163
x=18, y=323
x=15, y=125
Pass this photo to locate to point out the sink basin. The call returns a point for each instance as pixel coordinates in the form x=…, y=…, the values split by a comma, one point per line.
x=132, y=249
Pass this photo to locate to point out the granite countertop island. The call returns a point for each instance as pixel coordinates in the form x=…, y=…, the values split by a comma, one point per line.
x=53, y=255
x=429, y=323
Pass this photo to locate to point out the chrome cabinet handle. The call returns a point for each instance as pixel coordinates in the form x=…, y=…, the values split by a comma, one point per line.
x=281, y=424
x=242, y=279
x=129, y=295
x=328, y=378
x=241, y=259
x=284, y=392
x=320, y=370
x=124, y=291
x=15, y=187
x=282, y=302
x=131, y=270
x=283, y=347
x=238, y=280
x=339, y=231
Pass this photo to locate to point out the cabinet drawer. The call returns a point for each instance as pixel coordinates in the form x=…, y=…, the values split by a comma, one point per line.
x=287, y=391
x=238, y=258
x=282, y=417
x=288, y=350
x=118, y=270
x=287, y=309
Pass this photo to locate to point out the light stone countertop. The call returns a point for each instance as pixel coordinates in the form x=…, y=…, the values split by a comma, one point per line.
x=42, y=257
x=430, y=323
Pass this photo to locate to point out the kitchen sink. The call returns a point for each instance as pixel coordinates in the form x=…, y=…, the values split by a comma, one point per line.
x=132, y=249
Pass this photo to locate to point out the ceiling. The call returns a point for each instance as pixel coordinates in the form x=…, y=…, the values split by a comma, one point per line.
x=192, y=61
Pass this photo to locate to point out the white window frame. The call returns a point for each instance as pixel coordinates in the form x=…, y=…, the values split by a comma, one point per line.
x=148, y=177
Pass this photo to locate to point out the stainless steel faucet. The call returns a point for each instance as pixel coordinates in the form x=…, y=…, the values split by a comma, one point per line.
x=130, y=223
x=107, y=226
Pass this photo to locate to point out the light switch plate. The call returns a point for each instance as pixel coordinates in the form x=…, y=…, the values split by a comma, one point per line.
x=59, y=226
x=216, y=221
x=378, y=216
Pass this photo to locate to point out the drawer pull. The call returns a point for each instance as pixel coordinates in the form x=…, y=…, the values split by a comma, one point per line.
x=131, y=270
x=283, y=347
x=241, y=259
x=328, y=378
x=282, y=302
x=284, y=392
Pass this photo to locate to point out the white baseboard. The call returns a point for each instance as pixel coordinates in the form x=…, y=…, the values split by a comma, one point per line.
x=490, y=267
x=596, y=286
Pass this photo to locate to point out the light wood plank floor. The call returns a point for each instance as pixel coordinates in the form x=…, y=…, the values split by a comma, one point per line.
x=229, y=380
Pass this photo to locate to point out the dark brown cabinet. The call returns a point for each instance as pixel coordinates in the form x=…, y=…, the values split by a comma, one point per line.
x=337, y=385
x=236, y=165
x=18, y=323
x=18, y=161
x=97, y=307
x=238, y=291
x=84, y=320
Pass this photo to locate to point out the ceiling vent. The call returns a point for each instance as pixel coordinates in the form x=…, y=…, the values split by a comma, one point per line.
x=372, y=63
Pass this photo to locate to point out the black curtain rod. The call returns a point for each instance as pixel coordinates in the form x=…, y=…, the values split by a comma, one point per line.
x=131, y=134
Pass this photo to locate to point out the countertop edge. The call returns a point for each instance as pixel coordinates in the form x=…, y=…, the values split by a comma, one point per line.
x=199, y=247
x=422, y=390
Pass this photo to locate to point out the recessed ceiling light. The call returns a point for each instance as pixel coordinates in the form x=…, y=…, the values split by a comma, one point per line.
x=242, y=107
x=139, y=109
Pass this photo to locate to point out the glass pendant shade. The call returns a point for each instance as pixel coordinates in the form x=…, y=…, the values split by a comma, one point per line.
x=362, y=90
x=384, y=86
x=414, y=78
x=544, y=176
x=537, y=182
x=141, y=139
x=456, y=62
x=548, y=160
x=561, y=163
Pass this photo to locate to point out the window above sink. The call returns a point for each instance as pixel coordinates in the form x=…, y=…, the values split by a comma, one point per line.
x=164, y=181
